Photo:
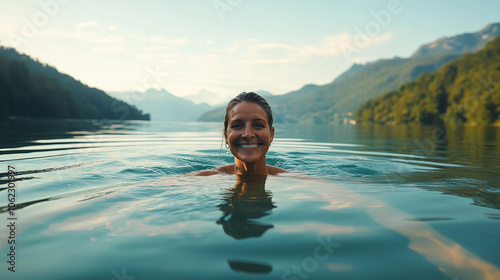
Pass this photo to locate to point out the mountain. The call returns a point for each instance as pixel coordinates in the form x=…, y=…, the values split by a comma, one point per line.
x=463, y=91
x=336, y=101
x=162, y=105
x=460, y=44
x=29, y=88
x=204, y=96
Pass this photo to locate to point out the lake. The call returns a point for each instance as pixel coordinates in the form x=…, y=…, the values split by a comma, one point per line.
x=110, y=200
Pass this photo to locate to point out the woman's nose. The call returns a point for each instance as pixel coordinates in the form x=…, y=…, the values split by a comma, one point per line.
x=248, y=132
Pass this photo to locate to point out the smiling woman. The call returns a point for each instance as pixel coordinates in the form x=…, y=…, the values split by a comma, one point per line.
x=249, y=131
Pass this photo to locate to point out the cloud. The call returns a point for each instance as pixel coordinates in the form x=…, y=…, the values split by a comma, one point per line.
x=64, y=48
x=138, y=38
x=157, y=55
x=168, y=41
x=6, y=28
x=87, y=25
x=156, y=48
x=265, y=61
x=382, y=38
x=265, y=53
x=95, y=38
x=108, y=49
x=329, y=47
x=160, y=47
x=85, y=35
x=270, y=46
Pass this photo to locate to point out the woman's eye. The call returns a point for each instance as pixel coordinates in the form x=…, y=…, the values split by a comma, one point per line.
x=259, y=125
x=236, y=126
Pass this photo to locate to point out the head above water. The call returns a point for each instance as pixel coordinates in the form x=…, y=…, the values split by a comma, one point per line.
x=249, y=97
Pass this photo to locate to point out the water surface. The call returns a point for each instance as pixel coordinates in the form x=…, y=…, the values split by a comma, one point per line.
x=110, y=200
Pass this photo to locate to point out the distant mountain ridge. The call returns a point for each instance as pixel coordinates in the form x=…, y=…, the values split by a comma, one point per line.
x=163, y=105
x=463, y=91
x=29, y=88
x=349, y=72
x=204, y=96
x=463, y=43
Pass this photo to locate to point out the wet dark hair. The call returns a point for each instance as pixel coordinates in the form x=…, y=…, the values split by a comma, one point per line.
x=249, y=97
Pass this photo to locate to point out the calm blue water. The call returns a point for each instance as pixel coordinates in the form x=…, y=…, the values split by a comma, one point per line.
x=109, y=200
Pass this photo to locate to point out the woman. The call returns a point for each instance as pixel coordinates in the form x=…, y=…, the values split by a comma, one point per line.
x=248, y=132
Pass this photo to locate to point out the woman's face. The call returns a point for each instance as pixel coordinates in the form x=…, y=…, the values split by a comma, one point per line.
x=248, y=134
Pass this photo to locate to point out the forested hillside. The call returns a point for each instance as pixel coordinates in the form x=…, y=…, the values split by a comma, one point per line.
x=29, y=88
x=465, y=90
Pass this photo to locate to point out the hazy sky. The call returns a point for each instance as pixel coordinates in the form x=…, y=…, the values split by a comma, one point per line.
x=227, y=46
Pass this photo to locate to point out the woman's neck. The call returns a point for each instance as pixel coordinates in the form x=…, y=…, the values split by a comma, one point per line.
x=257, y=168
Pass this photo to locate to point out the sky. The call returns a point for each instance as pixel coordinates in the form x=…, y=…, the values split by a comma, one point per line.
x=227, y=46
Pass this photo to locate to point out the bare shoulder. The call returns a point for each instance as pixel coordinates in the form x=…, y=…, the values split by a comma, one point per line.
x=203, y=173
x=273, y=170
x=226, y=169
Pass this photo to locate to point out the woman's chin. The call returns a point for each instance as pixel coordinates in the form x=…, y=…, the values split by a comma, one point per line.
x=249, y=159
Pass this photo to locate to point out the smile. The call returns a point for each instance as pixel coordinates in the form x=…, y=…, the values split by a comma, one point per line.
x=249, y=146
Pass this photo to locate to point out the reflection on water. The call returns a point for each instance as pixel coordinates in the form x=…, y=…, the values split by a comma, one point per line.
x=243, y=204
x=241, y=207
x=249, y=267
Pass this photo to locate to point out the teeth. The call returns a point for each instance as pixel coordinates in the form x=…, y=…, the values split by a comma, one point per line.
x=249, y=146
